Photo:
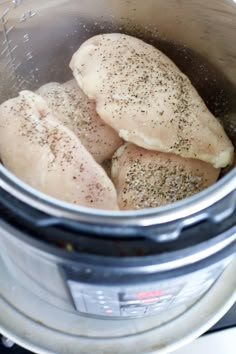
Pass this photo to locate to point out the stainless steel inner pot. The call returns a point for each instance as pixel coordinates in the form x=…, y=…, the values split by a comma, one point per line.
x=38, y=39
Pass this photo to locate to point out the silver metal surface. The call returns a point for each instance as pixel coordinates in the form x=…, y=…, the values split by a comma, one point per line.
x=30, y=259
x=41, y=334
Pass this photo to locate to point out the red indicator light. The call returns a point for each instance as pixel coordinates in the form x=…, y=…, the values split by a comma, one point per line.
x=109, y=311
x=147, y=294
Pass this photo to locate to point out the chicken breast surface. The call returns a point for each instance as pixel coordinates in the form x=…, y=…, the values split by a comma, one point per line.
x=42, y=152
x=74, y=109
x=144, y=96
x=148, y=179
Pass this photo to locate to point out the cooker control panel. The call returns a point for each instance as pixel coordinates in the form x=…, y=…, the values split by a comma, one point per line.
x=149, y=299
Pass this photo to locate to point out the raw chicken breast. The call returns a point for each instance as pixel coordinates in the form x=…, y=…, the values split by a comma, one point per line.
x=42, y=152
x=148, y=179
x=143, y=95
x=74, y=109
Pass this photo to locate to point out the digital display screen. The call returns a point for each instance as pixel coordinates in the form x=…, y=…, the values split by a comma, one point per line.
x=149, y=294
x=141, y=296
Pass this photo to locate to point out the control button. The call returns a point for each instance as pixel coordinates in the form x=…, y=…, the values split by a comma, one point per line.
x=133, y=311
x=100, y=299
x=156, y=309
x=149, y=301
x=159, y=306
x=97, y=293
x=109, y=311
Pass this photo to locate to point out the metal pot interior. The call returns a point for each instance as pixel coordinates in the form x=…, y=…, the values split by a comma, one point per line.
x=39, y=37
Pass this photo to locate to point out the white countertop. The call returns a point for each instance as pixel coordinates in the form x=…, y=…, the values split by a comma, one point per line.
x=222, y=342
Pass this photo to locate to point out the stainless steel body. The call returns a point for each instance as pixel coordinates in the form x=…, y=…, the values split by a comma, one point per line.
x=21, y=312
x=41, y=313
x=174, y=256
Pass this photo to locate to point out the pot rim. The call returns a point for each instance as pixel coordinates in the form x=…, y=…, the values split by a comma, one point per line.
x=145, y=217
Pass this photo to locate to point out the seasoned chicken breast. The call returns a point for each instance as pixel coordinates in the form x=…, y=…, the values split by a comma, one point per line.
x=144, y=96
x=74, y=109
x=42, y=152
x=148, y=179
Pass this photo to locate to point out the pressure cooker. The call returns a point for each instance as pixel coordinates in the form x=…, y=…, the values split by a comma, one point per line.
x=79, y=280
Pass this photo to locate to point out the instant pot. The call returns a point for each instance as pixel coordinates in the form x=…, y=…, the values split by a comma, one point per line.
x=78, y=280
